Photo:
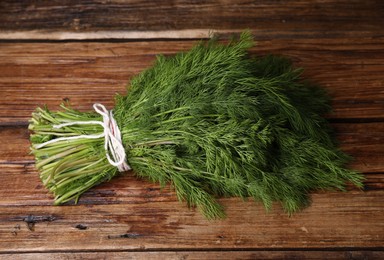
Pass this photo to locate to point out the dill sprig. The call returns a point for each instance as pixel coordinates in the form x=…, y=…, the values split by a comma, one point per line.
x=212, y=122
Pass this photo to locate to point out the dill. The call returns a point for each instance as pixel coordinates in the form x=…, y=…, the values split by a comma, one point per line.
x=211, y=122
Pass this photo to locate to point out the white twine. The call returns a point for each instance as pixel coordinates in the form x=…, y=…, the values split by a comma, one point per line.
x=112, y=144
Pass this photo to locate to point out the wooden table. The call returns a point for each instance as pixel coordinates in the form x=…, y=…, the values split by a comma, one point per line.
x=85, y=53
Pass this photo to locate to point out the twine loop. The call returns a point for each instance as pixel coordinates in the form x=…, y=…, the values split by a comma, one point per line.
x=112, y=137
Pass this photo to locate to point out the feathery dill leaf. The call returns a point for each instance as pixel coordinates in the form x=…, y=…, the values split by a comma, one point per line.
x=211, y=122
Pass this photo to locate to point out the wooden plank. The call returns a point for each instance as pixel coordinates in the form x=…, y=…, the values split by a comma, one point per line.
x=185, y=19
x=129, y=214
x=364, y=142
x=34, y=74
x=367, y=148
x=190, y=255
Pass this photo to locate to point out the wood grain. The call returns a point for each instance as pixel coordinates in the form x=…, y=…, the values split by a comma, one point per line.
x=140, y=217
x=118, y=19
x=85, y=52
x=34, y=74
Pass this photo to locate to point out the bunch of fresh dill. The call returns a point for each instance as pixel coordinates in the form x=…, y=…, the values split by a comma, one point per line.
x=211, y=122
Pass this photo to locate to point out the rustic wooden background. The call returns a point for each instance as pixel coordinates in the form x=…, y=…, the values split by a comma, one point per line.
x=86, y=51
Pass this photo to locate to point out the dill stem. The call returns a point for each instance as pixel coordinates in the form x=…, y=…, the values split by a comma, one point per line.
x=80, y=170
x=155, y=142
x=58, y=156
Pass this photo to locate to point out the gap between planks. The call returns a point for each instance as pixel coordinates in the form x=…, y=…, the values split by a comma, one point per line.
x=217, y=250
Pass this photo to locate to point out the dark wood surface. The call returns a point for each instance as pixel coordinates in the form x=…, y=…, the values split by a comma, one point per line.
x=52, y=51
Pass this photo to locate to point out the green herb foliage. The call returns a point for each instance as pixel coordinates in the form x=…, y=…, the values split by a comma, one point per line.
x=212, y=122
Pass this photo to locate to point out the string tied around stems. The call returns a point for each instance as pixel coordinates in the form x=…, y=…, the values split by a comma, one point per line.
x=112, y=137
